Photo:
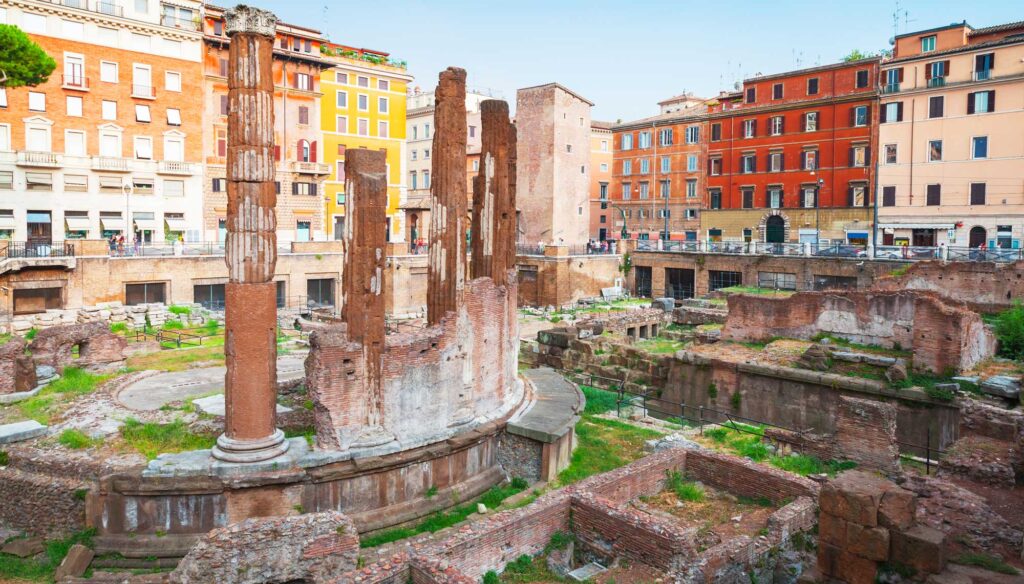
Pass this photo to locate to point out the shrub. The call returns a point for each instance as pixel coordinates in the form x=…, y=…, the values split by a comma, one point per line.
x=559, y=541
x=5, y=458
x=1009, y=329
x=179, y=310
x=717, y=434
x=712, y=390
x=519, y=483
x=31, y=334
x=756, y=451
x=173, y=325
x=491, y=577
x=118, y=327
x=736, y=400
x=987, y=562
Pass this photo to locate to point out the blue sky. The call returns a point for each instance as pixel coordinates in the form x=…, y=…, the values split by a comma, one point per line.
x=624, y=56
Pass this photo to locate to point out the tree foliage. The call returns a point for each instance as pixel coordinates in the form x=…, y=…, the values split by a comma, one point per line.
x=1010, y=332
x=857, y=55
x=22, y=60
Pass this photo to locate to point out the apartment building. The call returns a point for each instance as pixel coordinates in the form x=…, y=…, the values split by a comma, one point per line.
x=601, y=157
x=111, y=143
x=419, y=142
x=297, y=68
x=789, y=157
x=657, y=175
x=363, y=106
x=951, y=159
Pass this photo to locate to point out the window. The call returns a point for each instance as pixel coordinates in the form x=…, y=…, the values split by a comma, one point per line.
x=412, y=180
x=775, y=160
x=426, y=179
x=74, y=143
x=691, y=163
x=37, y=139
x=645, y=190
x=776, y=280
x=627, y=194
x=775, y=125
x=979, y=102
x=382, y=129
x=320, y=292
x=304, y=188
x=934, y=150
x=219, y=185
x=35, y=300
x=889, y=196
x=149, y=293
x=936, y=105
x=666, y=164
x=935, y=73
x=142, y=114
x=363, y=81
x=142, y=6
x=568, y=147
x=604, y=145
x=858, y=195
x=716, y=198
x=889, y=151
x=39, y=181
x=664, y=137
x=174, y=148
x=341, y=78
x=927, y=44
x=426, y=134
x=691, y=188
x=3, y=97
x=775, y=197
x=33, y=22
x=751, y=94
x=977, y=193
x=811, y=122
x=664, y=187
x=363, y=128
x=716, y=132
x=111, y=185
x=892, y=112
x=383, y=84
x=1004, y=236
x=604, y=167
x=664, y=213
x=604, y=191
x=715, y=165
x=627, y=167
x=749, y=128
x=812, y=86
x=859, y=115
x=209, y=296
x=222, y=67
x=5, y=137
x=222, y=146
x=777, y=91
x=172, y=81
x=218, y=27
x=979, y=147
x=644, y=140
x=645, y=166
x=858, y=155
x=719, y=279
x=809, y=159
x=108, y=72
x=76, y=182
x=174, y=188
x=303, y=114
x=142, y=81
x=382, y=107
x=862, y=78
x=110, y=144
x=933, y=196
x=142, y=186
x=748, y=197
x=363, y=102
x=74, y=105
x=627, y=141
x=426, y=153
x=36, y=101
x=810, y=197
x=693, y=134
x=983, y=66
x=110, y=110
x=748, y=163
x=303, y=81
x=341, y=125
x=224, y=105
x=173, y=117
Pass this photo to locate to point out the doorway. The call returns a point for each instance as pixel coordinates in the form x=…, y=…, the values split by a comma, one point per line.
x=775, y=230
x=977, y=237
x=40, y=231
x=923, y=238
x=679, y=283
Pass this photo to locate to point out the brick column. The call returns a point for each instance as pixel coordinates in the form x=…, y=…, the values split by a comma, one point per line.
x=446, y=274
x=362, y=309
x=492, y=195
x=250, y=348
x=505, y=223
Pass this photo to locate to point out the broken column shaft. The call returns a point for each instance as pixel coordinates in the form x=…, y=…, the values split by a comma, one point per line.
x=365, y=257
x=446, y=273
x=250, y=346
x=493, y=239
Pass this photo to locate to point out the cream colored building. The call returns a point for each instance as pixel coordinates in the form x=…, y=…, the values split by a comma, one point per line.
x=951, y=138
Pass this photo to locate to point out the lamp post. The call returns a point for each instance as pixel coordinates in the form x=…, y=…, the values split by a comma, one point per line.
x=817, y=215
x=127, y=189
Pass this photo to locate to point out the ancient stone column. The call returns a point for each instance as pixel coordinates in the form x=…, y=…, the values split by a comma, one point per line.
x=479, y=264
x=250, y=347
x=446, y=274
x=491, y=183
x=366, y=190
x=505, y=218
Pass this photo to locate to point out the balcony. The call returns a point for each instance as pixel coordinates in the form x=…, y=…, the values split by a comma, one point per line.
x=310, y=167
x=983, y=75
x=143, y=91
x=175, y=167
x=75, y=82
x=172, y=22
x=891, y=88
x=110, y=164
x=38, y=159
x=937, y=82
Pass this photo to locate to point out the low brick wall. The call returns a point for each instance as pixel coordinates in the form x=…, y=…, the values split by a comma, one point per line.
x=746, y=478
x=621, y=532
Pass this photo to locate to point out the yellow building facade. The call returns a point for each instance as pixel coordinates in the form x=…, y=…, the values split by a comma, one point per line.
x=363, y=106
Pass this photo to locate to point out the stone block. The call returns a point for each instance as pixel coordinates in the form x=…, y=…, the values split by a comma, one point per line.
x=1002, y=386
x=898, y=509
x=214, y=405
x=828, y=559
x=832, y=530
x=24, y=548
x=857, y=570
x=19, y=431
x=854, y=496
x=847, y=356
x=868, y=542
x=920, y=547
x=75, y=563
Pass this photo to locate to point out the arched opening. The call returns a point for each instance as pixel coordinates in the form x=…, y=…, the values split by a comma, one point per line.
x=977, y=237
x=775, y=229
x=415, y=233
x=303, y=151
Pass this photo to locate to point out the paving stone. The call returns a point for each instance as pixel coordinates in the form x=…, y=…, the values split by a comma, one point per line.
x=214, y=405
x=898, y=509
x=587, y=572
x=920, y=547
x=75, y=563
x=1001, y=386
x=24, y=548
x=19, y=431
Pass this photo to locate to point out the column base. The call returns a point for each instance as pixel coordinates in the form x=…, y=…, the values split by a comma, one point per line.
x=372, y=436
x=231, y=450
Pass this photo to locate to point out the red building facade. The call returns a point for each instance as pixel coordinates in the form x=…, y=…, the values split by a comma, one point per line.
x=789, y=158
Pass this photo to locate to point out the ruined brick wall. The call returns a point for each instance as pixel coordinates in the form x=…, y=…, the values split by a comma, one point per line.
x=611, y=532
x=99, y=349
x=984, y=286
x=942, y=334
x=866, y=433
x=559, y=281
x=17, y=370
x=42, y=503
x=745, y=477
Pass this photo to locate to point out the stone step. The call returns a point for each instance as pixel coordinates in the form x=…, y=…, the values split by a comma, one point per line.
x=19, y=431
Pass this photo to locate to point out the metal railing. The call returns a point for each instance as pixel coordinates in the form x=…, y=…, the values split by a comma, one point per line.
x=33, y=249
x=983, y=75
x=74, y=81
x=110, y=163
x=174, y=22
x=590, y=249
x=891, y=88
x=839, y=250
x=937, y=82
x=143, y=91
x=527, y=249
x=787, y=249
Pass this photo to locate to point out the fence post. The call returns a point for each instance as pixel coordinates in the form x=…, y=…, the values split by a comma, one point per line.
x=928, y=452
x=701, y=422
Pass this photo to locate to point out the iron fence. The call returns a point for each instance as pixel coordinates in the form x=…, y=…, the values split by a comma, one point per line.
x=30, y=249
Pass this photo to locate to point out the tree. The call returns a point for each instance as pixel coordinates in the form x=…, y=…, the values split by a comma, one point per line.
x=857, y=55
x=22, y=61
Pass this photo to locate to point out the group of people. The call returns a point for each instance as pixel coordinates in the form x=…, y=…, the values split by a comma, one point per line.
x=116, y=243
x=598, y=246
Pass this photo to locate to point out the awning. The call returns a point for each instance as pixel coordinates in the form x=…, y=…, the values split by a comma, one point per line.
x=112, y=223
x=7, y=222
x=31, y=217
x=145, y=224
x=916, y=225
x=857, y=234
x=77, y=222
x=109, y=182
x=175, y=224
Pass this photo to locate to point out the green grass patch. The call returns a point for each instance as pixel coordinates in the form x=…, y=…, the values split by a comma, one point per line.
x=803, y=465
x=985, y=561
x=4, y=337
x=309, y=433
x=179, y=360
x=73, y=382
x=684, y=489
x=599, y=400
x=443, y=519
x=524, y=569
x=118, y=327
x=604, y=445
x=76, y=439
x=747, y=441
x=41, y=569
x=660, y=346
x=878, y=349
x=31, y=334
x=900, y=270
x=151, y=439
x=173, y=325
x=753, y=290
x=179, y=310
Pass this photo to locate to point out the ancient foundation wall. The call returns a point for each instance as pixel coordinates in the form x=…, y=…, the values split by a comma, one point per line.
x=984, y=286
x=561, y=280
x=942, y=335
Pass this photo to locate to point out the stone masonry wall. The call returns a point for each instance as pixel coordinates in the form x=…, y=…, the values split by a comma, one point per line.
x=984, y=286
x=17, y=370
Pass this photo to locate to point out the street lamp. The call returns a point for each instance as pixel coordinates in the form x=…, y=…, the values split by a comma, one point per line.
x=817, y=215
x=127, y=189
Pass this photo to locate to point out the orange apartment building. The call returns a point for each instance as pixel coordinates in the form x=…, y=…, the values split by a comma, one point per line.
x=657, y=171
x=298, y=134
x=111, y=143
x=600, y=181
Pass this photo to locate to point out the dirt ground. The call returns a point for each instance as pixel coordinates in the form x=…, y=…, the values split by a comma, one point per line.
x=717, y=513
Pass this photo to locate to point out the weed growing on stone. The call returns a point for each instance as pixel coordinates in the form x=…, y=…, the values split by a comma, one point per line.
x=73, y=382
x=308, y=432
x=31, y=334
x=77, y=440
x=431, y=492
x=985, y=561
x=151, y=439
x=559, y=541
x=41, y=569
x=173, y=325
x=684, y=489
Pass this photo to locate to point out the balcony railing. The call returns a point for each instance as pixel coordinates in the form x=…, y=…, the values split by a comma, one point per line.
x=175, y=167
x=143, y=91
x=34, y=249
x=983, y=75
x=310, y=167
x=173, y=22
x=110, y=163
x=75, y=81
x=34, y=158
x=891, y=88
x=937, y=82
